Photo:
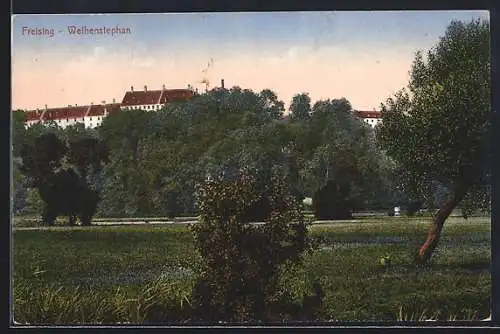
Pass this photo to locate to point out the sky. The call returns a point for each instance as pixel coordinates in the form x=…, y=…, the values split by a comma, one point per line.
x=362, y=56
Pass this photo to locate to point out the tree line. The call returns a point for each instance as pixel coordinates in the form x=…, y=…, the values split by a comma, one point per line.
x=149, y=163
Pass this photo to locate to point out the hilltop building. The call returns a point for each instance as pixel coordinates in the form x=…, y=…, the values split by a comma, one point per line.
x=372, y=118
x=93, y=115
x=151, y=100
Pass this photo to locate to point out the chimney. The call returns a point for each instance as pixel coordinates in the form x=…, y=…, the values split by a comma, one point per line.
x=76, y=105
x=114, y=101
x=103, y=101
x=45, y=107
x=145, y=88
x=222, y=83
x=131, y=88
x=163, y=87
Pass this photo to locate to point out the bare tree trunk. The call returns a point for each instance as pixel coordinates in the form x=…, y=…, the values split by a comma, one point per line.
x=426, y=250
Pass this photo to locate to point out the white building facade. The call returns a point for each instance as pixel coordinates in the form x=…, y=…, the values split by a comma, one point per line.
x=372, y=118
x=92, y=115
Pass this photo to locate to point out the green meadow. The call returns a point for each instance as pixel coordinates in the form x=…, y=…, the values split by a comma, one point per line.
x=136, y=274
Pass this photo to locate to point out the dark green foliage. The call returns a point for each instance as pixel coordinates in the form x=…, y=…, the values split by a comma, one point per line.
x=300, y=108
x=242, y=261
x=413, y=207
x=60, y=172
x=87, y=152
x=18, y=131
x=174, y=208
x=19, y=190
x=157, y=158
x=65, y=194
x=42, y=157
x=331, y=202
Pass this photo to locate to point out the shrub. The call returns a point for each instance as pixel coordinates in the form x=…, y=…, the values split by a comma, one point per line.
x=173, y=207
x=412, y=208
x=330, y=202
x=242, y=261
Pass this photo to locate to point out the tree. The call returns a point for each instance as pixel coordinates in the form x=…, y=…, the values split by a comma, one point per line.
x=42, y=156
x=34, y=204
x=300, y=108
x=343, y=169
x=87, y=155
x=439, y=129
x=274, y=107
x=19, y=191
x=18, y=131
x=122, y=131
x=123, y=187
x=59, y=173
x=65, y=193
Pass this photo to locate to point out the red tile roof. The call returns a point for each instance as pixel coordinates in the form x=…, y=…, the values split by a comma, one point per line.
x=33, y=115
x=71, y=112
x=368, y=114
x=155, y=96
x=176, y=95
x=99, y=109
x=141, y=97
x=65, y=113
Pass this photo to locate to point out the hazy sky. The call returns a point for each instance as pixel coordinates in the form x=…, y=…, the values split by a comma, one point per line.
x=363, y=56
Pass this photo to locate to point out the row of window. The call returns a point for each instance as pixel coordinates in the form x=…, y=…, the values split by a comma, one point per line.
x=148, y=107
x=91, y=125
x=67, y=119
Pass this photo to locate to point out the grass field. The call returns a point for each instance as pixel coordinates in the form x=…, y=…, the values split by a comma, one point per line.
x=119, y=274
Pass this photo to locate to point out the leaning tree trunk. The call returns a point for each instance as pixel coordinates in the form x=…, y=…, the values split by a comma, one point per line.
x=425, y=252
